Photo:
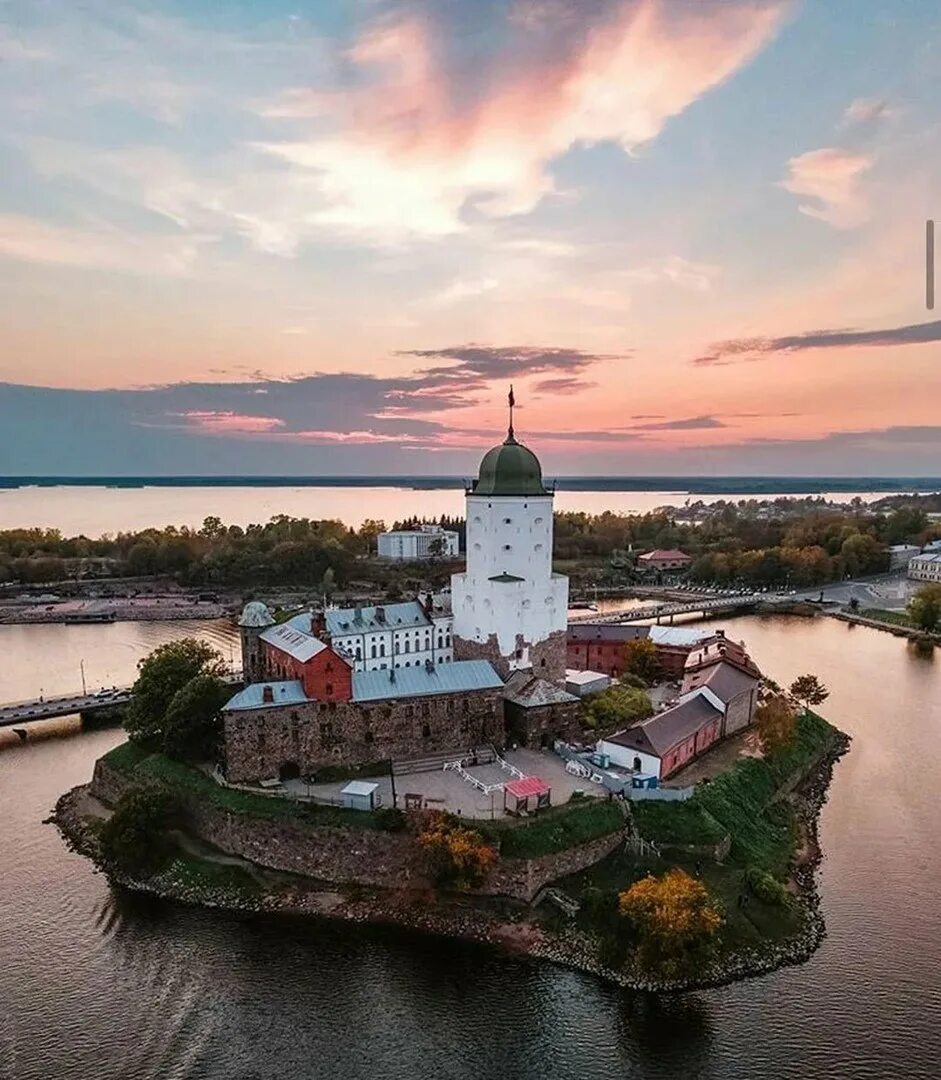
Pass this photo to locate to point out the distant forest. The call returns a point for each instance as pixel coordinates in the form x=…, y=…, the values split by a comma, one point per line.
x=801, y=542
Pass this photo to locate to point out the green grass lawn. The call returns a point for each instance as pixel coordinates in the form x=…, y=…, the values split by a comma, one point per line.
x=189, y=781
x=677, y=823
x=555, y=829
x=896, y=618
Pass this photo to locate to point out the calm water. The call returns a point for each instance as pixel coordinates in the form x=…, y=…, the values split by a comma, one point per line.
x=94, y=511
x=98, y=985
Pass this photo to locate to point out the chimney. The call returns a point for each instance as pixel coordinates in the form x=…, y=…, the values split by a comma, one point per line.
x=391, y=674
x=430, y=666
x=720, y=633
x=318, y=624
x=380, y=614
x=267, y=695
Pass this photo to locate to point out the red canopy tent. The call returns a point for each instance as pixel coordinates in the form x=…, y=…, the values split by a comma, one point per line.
x=527, y=794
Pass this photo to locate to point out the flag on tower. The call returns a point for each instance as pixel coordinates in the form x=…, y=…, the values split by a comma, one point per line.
x=511, y=398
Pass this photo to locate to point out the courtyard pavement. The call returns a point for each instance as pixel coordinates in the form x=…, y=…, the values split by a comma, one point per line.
x=442, y=790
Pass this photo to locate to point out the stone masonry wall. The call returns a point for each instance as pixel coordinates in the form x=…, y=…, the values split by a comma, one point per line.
x=313, y=734
x=351, y=856
x=547, y=658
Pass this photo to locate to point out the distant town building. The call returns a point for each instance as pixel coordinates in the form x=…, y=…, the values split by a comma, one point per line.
x=664, y=560
x=925, y=567
x=900, y=555
x=425, y=542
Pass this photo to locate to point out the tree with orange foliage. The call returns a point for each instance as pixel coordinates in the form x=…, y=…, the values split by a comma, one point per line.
x=776, y=722
x=673, y=917
x=458, y=857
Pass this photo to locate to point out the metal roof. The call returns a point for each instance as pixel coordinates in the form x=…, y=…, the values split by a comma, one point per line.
x=463, y=675
x=725, y=680
x=509, y=469
x=359, y=787
x=341, y=622
x=290, y=692
x=679, y=635
x=665, y=730
x=295, y=642
x=255, y=613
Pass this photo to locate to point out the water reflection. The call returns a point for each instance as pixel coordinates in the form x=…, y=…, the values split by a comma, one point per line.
x=110, y=985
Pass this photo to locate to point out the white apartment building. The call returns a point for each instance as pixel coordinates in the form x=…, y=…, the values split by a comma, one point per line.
x=925, y=567
x=426, y=542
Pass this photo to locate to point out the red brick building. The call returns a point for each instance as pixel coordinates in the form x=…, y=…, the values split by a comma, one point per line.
x=290, y=654
x=600, y=646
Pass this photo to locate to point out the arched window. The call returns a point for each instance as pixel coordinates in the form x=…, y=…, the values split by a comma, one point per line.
x=425, y=731
x=359, y=653
x=406, y=645
x=382, y=648
x=373, y=653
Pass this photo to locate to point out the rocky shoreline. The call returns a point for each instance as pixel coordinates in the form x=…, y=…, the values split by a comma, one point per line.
x=462, y=919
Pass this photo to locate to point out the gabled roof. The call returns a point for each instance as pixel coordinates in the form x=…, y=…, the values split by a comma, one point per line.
x=666, y=553
x=298, y=643
x=461, y=676
x=725, y=680
x=341, y=622
x=586, y=631
x=660, y=733
x=528, y=690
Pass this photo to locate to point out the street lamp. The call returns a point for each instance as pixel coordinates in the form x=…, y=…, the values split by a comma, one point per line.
x=81, y=665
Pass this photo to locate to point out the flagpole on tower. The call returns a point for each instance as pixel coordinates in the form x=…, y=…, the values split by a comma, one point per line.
x=512, y=401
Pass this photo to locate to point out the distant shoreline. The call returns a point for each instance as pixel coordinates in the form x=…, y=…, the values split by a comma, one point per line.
x=730, y=486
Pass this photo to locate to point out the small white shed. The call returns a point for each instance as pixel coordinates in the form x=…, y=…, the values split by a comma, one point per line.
x=361, y=795
x=583, y=683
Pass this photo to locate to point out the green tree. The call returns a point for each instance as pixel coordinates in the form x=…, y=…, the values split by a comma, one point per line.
x=924, y=608
x=641, y=658
x=616, y=707
x=134, y=839
x=809, y=690
x=160, y=675
x=192, y=725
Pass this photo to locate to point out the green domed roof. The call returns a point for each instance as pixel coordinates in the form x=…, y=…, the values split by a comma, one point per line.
x=509, y=469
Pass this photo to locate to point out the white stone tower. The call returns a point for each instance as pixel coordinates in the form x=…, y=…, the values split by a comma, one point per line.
x=509, y=607
x=254, y=620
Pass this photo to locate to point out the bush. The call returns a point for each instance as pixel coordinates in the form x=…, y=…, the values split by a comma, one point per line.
x=766, y=888
x=617, y=707
x=457, y=856
x=390, y=819
x=134, y=839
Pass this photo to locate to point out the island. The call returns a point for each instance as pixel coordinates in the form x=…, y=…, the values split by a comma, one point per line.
x=634, y=801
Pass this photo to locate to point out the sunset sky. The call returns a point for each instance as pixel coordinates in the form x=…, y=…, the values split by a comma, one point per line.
x=323, y=237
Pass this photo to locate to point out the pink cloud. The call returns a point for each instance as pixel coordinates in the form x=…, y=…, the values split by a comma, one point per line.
x=436, y=136
x=229, y=423
x=831, y=177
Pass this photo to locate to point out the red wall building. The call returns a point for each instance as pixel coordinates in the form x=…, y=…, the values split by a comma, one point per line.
x=326, y=675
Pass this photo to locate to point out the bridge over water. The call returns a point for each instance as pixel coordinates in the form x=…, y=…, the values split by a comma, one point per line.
x=716, y=605
x=99, y=704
